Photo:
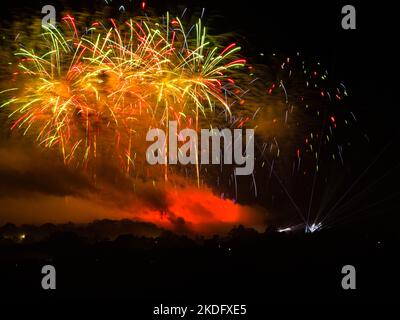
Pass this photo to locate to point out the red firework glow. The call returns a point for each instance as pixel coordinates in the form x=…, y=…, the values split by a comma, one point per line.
x=201, y=211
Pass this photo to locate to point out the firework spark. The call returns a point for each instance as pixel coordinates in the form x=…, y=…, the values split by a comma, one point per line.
x=113, y=84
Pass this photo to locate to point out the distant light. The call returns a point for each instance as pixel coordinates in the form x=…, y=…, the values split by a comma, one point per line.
x=314, y=227
x=285, y=229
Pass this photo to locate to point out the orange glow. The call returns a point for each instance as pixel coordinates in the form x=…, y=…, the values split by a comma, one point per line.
x=202, y=211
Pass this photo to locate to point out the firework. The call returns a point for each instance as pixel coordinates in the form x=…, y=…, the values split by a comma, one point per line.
x=304, y=144
x=93, y=92
x=108, y=85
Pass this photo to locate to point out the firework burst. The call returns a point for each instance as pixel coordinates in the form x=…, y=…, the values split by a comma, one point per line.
x=109, y=85
x=93, y=92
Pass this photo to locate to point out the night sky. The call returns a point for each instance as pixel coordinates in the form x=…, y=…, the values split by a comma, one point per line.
x=36, y=187
x=362, y=59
